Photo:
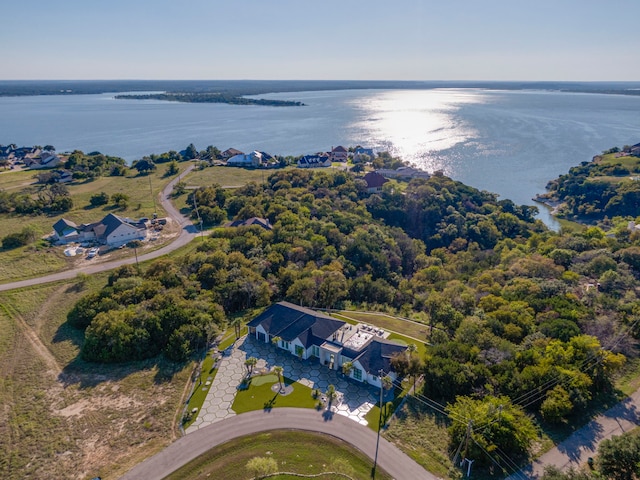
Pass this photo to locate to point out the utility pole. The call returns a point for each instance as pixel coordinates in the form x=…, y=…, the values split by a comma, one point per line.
x=466, y=449
x=375, y=460
x=151, y=190
x=195, y=204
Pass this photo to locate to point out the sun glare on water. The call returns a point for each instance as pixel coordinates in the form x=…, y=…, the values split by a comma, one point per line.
x=415, y=124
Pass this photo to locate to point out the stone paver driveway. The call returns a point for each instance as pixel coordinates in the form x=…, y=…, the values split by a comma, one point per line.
x=354, y=400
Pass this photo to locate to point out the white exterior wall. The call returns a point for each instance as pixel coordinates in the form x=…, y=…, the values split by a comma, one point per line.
x=357, y=365
x=260, y=329
x=298, y=343
x=124, y=234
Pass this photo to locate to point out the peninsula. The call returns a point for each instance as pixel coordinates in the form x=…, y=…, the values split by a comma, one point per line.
x=210, y=98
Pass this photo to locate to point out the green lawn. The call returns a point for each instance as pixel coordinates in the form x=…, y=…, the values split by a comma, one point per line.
x=401, y=330
x=260, y=396
x=200, y=391
x=231, y=177
x=11, y=180
x=415, y=330
x=628, y=161
x=304, y=453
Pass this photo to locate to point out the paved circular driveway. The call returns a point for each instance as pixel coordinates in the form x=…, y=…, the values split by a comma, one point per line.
x=355, y=399
x=390, y=458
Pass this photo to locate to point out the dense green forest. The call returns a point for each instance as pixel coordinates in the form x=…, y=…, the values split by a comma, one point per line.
x=607, y=186
x=530, y=320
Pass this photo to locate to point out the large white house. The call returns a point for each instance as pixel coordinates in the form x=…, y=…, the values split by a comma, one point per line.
x=311, y=335
x=319, y=160
x=112, y=230
x=253, y=159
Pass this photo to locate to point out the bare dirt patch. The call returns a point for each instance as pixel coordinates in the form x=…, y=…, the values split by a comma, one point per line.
x=69, y=419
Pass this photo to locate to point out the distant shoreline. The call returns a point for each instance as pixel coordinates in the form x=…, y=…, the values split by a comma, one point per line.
x=210, y=98
x=242, y=88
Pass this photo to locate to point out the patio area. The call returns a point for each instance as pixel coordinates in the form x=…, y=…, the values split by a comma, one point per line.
x=354, y=399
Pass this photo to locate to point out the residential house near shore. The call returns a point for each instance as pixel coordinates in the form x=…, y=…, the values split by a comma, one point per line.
x=311, y=335
x=404, y=173
x=253, y=159
x=231, y=152
x=339, y=154
x=319, y=160
x=112, y=230
x=375, y=181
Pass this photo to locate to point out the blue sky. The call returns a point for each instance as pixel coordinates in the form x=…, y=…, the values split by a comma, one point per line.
x=329, y=39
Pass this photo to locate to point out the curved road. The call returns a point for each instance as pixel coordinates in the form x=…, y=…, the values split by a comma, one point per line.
x=187, y=234
x=584, y=442
x=185, y=449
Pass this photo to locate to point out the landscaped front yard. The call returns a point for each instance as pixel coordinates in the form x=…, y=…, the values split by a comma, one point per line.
x=260, y=395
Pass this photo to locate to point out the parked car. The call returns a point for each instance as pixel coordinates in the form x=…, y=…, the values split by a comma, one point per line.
x=93, y=252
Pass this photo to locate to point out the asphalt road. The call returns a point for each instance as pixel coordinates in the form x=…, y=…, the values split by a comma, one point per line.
x=584, y=442
x=185, y=449
x=187, y=233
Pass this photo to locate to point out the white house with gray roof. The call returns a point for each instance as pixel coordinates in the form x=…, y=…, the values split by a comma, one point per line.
x=112, y=230
x=311, y=335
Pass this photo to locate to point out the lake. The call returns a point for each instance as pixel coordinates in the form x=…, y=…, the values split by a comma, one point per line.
x=508, y=142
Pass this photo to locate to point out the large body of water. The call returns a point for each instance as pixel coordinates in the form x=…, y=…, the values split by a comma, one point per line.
x=508, y=142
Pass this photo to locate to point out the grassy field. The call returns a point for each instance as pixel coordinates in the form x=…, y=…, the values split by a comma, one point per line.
x=40, y=259
x=421, y=434
x=260, y=396
x=61, y=417
x=299, y=452
x=414, y=330
x=403, y=331
x=231, y=177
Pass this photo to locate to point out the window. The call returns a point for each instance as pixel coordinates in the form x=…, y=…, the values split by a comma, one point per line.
x=315, y=351
x=299, y=351
x=357, y=374
x=285, y=345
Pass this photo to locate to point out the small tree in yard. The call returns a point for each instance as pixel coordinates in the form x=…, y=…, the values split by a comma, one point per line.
x=331, y=395
x=260, y=467
x=278, y=370
x=172, y=168
x=101, y=198
x=121, y=200
x=250, y=363
x=347, y=368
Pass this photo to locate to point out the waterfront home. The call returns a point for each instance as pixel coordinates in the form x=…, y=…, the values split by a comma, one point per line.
x=375, y=181
x=406, y=173
x=319, y=160
x=360, y=154
x=339, y=154
x=253, y=159
x=311, y=335
x=230, y=152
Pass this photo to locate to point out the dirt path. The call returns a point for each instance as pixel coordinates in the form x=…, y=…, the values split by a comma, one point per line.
x=40, y=348
x=44, y=309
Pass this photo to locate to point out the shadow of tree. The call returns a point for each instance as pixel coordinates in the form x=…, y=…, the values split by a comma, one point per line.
x=90, y=374
x=268, y=405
